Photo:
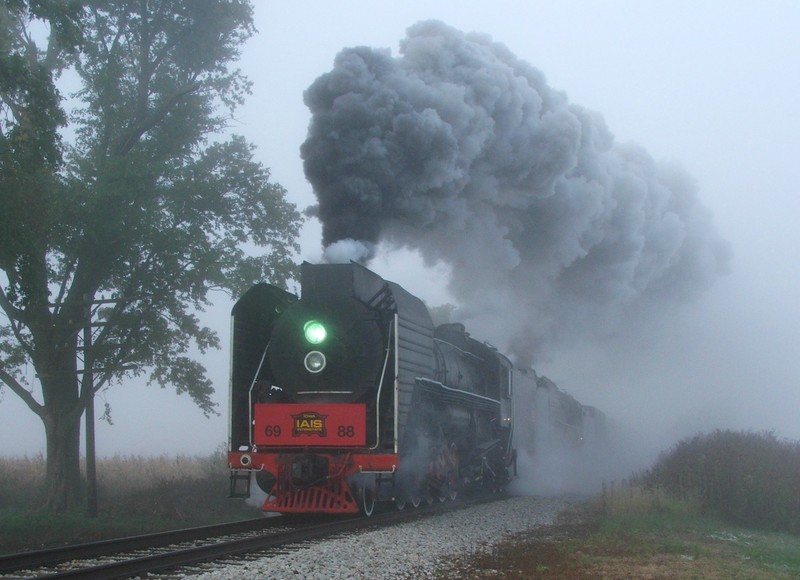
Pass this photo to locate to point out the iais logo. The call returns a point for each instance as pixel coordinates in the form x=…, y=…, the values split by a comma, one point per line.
x=309, y=423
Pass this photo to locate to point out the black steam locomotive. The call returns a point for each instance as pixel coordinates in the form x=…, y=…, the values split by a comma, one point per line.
x=349, y=396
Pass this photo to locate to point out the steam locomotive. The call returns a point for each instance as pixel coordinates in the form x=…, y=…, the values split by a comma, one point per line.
x=350, y=396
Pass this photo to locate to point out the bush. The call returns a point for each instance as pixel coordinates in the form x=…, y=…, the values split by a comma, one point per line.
x=749, y=479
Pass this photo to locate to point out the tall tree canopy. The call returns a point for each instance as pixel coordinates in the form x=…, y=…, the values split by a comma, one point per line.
x=144, y=201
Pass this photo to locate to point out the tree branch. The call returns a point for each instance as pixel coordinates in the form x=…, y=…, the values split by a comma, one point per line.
x=17, y=111
x=127, y=142
x=64, y=283
x=21, y=392
x=11, y=311
x=109, y=54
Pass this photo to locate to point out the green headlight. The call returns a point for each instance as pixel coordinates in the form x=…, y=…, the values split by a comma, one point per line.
x=315, y=332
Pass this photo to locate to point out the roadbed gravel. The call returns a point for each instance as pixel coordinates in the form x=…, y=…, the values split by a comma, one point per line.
x=421, y=549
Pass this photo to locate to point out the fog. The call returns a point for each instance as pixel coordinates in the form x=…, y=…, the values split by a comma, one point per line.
x=704, y=86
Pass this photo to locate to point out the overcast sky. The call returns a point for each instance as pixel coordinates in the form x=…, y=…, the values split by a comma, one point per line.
x=710, y=85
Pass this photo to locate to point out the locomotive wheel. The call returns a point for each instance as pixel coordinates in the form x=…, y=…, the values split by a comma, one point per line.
x=416, y=499
x=443, y=479
x=400, y=502
x=367, y=500
x=452, y=471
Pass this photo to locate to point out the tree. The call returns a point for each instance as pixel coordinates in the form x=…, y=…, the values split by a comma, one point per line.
x=141, y=204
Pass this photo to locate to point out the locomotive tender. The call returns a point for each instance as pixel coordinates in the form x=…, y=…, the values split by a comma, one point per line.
x=349, y=395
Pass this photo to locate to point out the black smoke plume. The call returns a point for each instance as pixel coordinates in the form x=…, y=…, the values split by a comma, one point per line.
x=459, y=149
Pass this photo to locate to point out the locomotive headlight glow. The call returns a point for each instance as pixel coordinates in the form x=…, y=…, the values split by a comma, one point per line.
x=315, y=361
x=314, y=332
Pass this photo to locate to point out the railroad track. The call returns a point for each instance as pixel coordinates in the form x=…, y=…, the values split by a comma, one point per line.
x=42, y=560
x=152, y=553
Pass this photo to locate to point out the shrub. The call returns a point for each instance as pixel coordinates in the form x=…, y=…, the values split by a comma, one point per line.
x=750, y=479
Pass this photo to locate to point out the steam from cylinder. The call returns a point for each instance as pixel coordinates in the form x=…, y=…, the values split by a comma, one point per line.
x=460, y=150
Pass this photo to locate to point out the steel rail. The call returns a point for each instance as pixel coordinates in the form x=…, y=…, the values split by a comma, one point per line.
x=52, y=556
x=199, y=554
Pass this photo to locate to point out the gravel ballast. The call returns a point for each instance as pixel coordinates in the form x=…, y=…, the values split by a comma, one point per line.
x=412, y=550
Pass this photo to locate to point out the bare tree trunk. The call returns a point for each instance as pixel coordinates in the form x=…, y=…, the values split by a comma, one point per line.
x=62, y=424
x=64, y=485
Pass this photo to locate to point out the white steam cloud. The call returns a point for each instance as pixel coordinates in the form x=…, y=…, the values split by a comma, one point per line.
x=462, y=151
x=348, y=250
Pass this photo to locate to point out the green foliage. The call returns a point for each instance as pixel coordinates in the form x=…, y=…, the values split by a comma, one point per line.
x=750, y=479
x=30, y=116
x=147, y=203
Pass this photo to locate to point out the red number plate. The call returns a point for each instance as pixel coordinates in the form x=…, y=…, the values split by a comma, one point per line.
x=316, y=425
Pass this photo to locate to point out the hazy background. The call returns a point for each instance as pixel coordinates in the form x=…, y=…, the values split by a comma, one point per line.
x=710, y=85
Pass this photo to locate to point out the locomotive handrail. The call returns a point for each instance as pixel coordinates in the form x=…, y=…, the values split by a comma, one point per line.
x=250, y=397
x=461, y=350
x=396, y=383
x=325, y=392
x=380, y=387
x=461, y=391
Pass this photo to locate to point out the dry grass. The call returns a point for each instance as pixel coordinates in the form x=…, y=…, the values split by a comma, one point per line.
x=22, y=478
x=635, y=500
x=124, y=475
x=136, y=494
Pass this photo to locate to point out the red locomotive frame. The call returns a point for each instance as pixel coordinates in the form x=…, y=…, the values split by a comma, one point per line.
x=315, y=425
x=332, y=433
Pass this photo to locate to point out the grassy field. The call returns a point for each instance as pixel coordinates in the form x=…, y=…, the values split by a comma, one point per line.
x=136, y=495
x=718, y=505
x=723, y=505
x=636, y=533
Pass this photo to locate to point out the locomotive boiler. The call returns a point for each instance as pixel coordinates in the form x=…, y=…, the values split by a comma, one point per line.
x=347, y=395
